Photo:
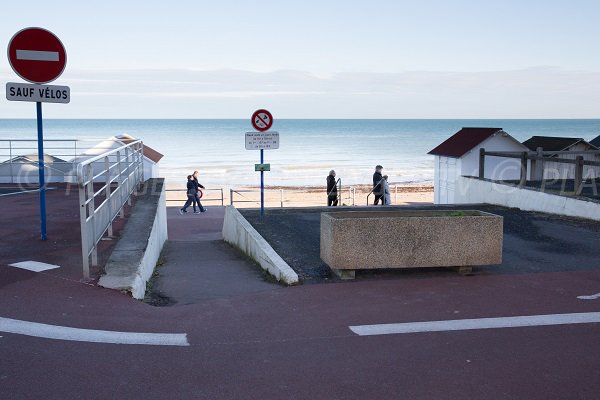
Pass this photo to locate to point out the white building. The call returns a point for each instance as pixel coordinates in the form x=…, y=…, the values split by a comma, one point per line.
x=25, y=169
x=565, y=148
x=459, y=156
x=151, y=156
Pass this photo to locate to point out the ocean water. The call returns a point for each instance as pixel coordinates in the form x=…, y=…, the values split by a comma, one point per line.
x=308, y=148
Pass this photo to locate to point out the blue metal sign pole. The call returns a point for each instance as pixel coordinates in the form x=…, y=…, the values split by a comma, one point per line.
x=262, y=184
x=41, y=171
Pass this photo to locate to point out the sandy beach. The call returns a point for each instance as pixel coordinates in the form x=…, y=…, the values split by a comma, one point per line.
x=300, y=196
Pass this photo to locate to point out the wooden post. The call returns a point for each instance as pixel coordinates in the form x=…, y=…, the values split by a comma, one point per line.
x=481, y=163
x=578, y=175
x=539, y=165
x=523, y=169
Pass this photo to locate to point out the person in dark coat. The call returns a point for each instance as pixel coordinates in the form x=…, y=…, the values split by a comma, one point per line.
x=198, y=187
x=192, y=193
x=378, y=190
x=332, y=194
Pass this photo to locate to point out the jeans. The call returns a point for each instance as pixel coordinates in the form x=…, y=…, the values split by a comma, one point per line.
x=192, y=200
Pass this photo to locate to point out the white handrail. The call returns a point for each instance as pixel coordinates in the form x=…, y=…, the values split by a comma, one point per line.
x=123, y=166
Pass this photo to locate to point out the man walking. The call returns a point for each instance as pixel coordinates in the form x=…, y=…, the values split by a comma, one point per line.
x=378, y=185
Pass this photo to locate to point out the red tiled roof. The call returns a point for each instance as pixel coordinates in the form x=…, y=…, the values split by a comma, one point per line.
x=462, y=141
x=149, y=152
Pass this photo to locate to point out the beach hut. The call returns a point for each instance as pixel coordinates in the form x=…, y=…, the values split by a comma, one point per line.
x=24, y=169
x=459, y=156
x=564, y=147
x=151, y=156
x=596, y=142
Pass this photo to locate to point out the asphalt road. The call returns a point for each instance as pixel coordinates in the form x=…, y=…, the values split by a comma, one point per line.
x=295, y=342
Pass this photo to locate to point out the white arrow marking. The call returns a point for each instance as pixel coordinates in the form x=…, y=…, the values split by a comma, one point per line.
x=479, y=323
x=590, y=297
x=90, y=335
x=35, y=55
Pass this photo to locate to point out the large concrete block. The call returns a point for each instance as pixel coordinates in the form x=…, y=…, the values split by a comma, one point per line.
x=353, y=240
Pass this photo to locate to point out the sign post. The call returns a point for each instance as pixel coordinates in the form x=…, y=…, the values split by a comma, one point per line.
x=262, y=121
x=37, y=56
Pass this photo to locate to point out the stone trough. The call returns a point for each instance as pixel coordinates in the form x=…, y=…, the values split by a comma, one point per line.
x=352, y=240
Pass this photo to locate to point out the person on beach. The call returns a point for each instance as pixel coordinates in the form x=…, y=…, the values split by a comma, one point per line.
x=387, y=196
x=191, y=195
x=378, y=185
x=332, y=195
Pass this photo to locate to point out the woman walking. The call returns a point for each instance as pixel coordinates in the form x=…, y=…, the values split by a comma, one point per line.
x=191, y=195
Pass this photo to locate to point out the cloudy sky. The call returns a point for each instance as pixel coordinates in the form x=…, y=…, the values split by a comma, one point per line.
x=318, y=59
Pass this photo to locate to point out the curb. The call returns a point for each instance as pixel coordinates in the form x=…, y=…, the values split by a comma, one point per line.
x=239, y=233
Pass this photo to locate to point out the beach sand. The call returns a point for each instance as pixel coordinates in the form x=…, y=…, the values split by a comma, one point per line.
x=301, y=196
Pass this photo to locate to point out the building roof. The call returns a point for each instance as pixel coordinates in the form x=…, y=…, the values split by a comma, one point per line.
x=462, y=141
x=33, y=158
x=552, y=143
x=595, y=142
x=149, y=152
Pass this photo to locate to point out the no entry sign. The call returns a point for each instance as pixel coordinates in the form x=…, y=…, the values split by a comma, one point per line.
x=262, y=120
x=37, y=55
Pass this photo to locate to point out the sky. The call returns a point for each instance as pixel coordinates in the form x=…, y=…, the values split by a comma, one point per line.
x=318, y=59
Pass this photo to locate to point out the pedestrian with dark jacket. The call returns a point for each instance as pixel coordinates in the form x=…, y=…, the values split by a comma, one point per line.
x=191, y=195
x=198, y=187
x=378, y=189
x=332, y=194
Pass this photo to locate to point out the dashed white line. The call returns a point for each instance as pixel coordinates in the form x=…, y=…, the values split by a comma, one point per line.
x=91, y=335
x=479, y=323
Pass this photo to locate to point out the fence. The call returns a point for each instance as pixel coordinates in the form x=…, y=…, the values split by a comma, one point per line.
x=106, y=183
x=204, y=199
x=536, y=159
x=284, y=197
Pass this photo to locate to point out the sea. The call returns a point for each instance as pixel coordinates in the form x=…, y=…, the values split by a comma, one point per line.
x=309, y=148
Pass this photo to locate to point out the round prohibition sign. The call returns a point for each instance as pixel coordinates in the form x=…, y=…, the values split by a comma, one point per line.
x=37, y=55
x=262, y=120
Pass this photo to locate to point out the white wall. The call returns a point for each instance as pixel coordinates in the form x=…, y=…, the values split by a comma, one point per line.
x=475, y=191
x=496, y=168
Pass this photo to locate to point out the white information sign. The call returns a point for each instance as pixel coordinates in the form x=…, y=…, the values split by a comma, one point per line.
x=35, y=93
x=262, y=140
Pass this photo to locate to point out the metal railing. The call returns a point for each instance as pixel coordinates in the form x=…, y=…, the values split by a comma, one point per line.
x=106, y=183
x=538, y=158
x=280, y=197
x=220, y=199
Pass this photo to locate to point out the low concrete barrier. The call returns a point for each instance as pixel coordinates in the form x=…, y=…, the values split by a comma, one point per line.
x=352, y=240
x=134, y=257
x=470, y=190
x=239, y=233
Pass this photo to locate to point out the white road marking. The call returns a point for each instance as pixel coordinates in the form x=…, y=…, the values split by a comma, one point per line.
x=90, y=335
x=34, y=266
x=479, y=323
x=36, y=55
x=590, y=297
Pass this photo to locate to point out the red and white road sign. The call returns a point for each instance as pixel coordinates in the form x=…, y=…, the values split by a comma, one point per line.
x=262, y=120
x=37, y=55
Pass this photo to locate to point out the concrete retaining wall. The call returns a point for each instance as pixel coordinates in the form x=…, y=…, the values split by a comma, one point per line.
x=475, y=191
x=134, y=257
x=239, y=233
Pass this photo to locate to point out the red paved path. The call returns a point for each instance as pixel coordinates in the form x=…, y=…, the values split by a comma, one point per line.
x=295, y=342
